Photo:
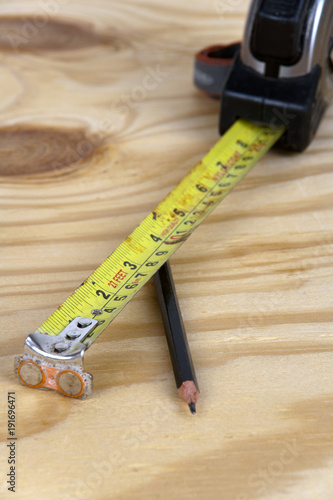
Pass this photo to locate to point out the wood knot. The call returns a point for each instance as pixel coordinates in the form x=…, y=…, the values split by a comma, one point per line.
x=26, y=150
x=41, y=33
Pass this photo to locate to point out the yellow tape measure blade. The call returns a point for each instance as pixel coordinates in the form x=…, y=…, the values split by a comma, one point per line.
x=116, y=281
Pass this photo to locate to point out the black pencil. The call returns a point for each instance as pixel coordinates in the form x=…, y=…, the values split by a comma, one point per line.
x=180, y=354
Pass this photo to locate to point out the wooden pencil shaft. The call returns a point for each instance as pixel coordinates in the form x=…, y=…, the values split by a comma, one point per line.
x=174, y=327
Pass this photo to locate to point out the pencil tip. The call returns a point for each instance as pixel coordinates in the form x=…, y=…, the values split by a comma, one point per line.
x=192, y=408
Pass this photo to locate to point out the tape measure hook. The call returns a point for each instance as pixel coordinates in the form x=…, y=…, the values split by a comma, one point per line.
x=56, y=361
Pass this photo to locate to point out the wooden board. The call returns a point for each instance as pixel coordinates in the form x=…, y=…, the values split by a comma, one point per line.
x=99, y=120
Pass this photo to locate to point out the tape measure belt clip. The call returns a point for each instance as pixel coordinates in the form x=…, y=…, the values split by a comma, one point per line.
x=212, y=67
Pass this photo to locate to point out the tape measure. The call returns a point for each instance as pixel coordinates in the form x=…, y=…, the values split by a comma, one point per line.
x=53, y=355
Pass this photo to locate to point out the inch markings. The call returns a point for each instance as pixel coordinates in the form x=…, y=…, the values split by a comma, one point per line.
x=119, y=278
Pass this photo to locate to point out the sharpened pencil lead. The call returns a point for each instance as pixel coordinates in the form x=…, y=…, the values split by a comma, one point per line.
x=192, y=408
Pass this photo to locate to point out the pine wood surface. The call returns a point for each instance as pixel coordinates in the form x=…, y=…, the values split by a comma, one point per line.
x=99, y=120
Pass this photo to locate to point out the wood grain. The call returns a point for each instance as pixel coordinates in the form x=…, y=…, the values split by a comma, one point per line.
x=99, y=120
